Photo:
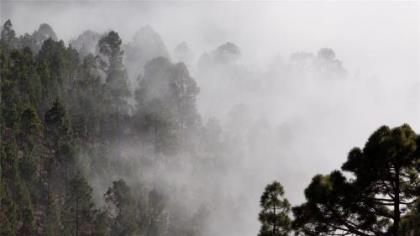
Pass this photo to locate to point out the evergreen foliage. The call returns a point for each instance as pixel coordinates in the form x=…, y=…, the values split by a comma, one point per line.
x=275, y=209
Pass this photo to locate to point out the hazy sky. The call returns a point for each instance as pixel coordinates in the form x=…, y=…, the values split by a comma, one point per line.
x=366, y=35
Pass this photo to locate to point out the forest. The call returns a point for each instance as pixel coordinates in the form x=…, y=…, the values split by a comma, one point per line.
x=103, y=137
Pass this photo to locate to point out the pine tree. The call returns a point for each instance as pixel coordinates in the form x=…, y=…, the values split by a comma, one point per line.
x=59, y=137
x=121, y=207
x=78, y=211
x=116, y=82
x=275, y=209
x=31, y=128
x=26, y=213
x=8, y=35
x=116, y=89
x=52, y=221
x=386, y=180
x=57, y=124
x=8, y=211
x=409, y=223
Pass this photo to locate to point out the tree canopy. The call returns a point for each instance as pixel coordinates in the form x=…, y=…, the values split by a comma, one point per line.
x=384, y=184
x=275, y=209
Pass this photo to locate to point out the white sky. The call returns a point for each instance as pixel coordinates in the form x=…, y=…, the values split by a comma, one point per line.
x=365, y=35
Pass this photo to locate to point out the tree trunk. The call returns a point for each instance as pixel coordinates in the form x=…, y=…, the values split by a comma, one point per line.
x=77, y=217
x=397, y=213
x=274, y=223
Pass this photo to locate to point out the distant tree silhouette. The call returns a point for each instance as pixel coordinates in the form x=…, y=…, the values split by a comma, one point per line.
x=275, y=209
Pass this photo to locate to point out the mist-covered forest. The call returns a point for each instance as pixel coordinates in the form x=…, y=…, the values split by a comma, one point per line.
x=104, y=134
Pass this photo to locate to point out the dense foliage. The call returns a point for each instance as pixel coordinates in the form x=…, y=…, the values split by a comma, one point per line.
x=62, y=115
x=275, y=209
x=376, y=193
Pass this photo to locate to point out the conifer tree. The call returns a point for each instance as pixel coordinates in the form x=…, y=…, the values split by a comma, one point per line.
x=8, y=35
x=275, y=209
x=386, y=181
x=78, y=210
x=121, y=208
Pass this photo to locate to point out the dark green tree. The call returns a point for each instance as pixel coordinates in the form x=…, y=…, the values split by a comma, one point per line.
x=31, y=128
x=116, y=76
x=166, y=104
x=116, y=90
x=8, y=212
x=23, y=72
x=26, y=212
x=30, y=137
x=62, y=167
x=101, y=224
x=332, y=208
x=410, y=222
x=57, y=68
x=121, y=208
x=57, y=124
x=157, y=215
x=386, y=182
x=28, y=168
x=8, y=209
x=10, y=95
x=8, y=215
x=8, y=35
x=52, y=220
x=275, y=209
x=87, y=107
x=16, y=199
x=78, y=210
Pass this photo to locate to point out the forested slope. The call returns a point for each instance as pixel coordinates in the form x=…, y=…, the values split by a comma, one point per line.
x=98, y=142
x=63, y=118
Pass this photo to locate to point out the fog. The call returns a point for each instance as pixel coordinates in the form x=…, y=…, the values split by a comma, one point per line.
x=293, y=86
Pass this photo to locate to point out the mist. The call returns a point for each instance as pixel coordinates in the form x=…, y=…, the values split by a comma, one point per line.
x=288, y=88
